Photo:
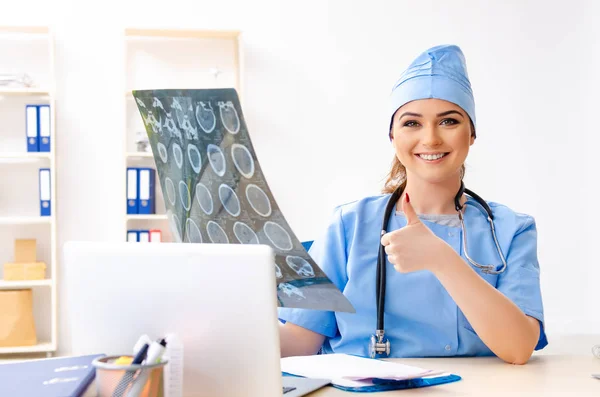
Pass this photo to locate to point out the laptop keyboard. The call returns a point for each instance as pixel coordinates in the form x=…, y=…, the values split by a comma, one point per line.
x=287, y=389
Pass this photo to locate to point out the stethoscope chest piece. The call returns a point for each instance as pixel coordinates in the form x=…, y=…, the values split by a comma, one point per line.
x=379, y=346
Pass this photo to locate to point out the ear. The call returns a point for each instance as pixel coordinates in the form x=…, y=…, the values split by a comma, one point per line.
x=391, y=133
x=472, y=140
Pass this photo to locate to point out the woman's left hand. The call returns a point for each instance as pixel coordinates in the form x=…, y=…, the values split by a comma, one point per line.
x=413, y=247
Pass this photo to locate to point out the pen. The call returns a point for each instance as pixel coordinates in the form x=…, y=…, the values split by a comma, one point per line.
x=128, y=377
x=155, y=353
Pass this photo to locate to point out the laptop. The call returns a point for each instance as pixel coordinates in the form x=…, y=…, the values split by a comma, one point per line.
x=220, y=300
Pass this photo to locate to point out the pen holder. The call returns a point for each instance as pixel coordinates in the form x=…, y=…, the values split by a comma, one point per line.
x=115, y=380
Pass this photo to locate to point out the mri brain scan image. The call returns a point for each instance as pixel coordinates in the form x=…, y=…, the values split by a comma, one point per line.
x=216, y=193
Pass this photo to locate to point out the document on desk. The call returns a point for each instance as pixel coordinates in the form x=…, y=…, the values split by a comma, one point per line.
x=352, y=371
x=216, y=192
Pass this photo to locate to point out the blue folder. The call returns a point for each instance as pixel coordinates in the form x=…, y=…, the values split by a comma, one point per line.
x=388, y=385
x=144, y=236
x=133, y=236
x=32, y=128
x=146, y=190
x=44, y=126
x=45, y=192
x=52, y=377
x=132, y=191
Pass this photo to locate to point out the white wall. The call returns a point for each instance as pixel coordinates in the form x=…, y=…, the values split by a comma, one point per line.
x=316, y=82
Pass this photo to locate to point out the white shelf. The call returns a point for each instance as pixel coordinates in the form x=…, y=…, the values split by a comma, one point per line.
x=153, y=217
x=43, y=30
x=39, y=348
x=25, y=284
x=24, y=157
x=26, y=220
x=139, y=155
x=24, y=91
x=44, y=228
x=180, y=33
x=198, y=53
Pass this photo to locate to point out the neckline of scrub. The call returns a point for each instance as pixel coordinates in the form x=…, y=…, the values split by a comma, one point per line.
x=449, y=220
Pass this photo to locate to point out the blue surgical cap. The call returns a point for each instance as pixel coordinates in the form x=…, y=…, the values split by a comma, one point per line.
x=441, y=73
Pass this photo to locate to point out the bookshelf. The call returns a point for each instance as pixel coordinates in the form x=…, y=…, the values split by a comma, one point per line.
x=164, y=59
x=28, y=50
x=24, y=284
x=24, y=91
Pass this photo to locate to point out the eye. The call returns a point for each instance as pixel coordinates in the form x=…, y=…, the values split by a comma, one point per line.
x=410, y=123
x=449, y=121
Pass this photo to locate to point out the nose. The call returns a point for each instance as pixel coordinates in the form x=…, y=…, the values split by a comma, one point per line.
x=431, y=136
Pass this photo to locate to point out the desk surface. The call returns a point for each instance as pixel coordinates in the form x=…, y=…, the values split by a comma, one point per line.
x=544, y=375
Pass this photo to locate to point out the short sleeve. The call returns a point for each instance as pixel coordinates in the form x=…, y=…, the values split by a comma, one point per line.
x=329, y=253
x=520, y=282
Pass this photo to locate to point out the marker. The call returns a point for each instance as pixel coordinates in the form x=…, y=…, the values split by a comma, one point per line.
x=155, y=353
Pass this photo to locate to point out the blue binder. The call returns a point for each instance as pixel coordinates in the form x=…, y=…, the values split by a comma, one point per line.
x=32, y=128
x=44, y=128
x=144, y=236
x=52, y=377
x=45, y=197
x=132, y=191
x=146, y=177
x=133, y=236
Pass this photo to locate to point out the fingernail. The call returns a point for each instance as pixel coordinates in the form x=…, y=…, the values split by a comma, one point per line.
x=407, y=198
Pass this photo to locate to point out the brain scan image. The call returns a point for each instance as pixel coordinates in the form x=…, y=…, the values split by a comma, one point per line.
x=216, y=192
x=205, y=115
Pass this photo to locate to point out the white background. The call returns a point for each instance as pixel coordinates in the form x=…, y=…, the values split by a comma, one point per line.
x=316, y=80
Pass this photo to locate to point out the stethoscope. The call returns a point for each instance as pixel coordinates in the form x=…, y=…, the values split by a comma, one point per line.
x=380, y=345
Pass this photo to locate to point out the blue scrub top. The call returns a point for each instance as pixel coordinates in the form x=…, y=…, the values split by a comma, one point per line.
x=421, y=319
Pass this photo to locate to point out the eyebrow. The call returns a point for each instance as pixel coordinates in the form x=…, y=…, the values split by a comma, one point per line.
x=438, y=115
x=410, y=114
x=449, y=112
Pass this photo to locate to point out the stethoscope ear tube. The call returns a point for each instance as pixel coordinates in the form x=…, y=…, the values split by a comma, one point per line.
x=381, y=273
x=481, y=202
x=378, y=343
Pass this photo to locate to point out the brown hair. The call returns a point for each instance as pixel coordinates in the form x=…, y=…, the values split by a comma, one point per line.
x=396, y=178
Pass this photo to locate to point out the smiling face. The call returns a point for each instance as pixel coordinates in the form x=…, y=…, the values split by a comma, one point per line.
x=431, y=138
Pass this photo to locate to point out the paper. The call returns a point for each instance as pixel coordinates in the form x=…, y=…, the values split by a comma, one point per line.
x=351, y=371
x=215, y=190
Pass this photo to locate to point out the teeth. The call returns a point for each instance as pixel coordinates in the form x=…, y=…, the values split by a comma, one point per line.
x=432, y=156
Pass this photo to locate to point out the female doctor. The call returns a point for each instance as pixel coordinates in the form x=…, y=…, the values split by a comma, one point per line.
x=456, y=283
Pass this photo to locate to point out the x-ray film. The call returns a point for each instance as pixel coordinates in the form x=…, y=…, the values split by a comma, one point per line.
x=215, y=191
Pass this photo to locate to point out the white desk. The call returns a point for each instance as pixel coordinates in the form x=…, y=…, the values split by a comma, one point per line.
x=544, y=375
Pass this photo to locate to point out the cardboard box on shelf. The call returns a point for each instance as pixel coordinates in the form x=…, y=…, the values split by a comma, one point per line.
x=24, y=271
x=25, y=250
x=25, y=266
x=17, y=325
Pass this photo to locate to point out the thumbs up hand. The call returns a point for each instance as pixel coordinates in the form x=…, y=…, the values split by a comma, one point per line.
x=414, y=247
